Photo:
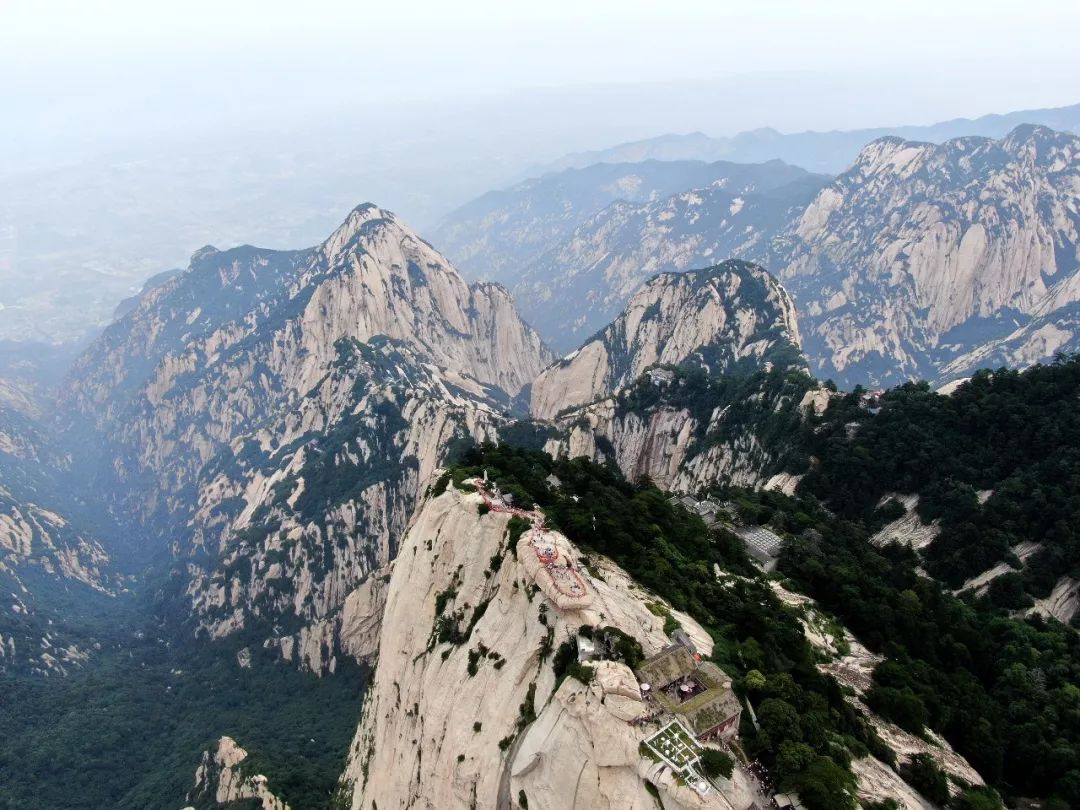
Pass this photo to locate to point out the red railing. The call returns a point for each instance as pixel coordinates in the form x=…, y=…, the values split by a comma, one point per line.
x=565, y=579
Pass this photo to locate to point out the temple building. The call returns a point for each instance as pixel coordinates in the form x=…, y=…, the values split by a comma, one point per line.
x=698, y=692
x=762, y=545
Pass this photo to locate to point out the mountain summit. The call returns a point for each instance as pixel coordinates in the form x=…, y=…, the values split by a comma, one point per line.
x=280, y=411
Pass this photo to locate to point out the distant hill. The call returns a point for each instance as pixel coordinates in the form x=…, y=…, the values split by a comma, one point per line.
x=921, y=260
x=829, y=152
x=497, y=235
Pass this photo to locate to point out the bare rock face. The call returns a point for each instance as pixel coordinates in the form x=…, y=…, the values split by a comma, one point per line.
x=1056, y=330
x=496, y=235
x=47, y=557
x=465, y=711
x=33, y=535
x=620, y=397
x=731, y=314
x=673, y=445
x=220, y=777
x=585, y=281
x=920, y=253
x=276, y=415
x=1062, y=603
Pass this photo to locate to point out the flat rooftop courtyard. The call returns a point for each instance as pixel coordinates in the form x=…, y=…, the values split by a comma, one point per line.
x=674, y=745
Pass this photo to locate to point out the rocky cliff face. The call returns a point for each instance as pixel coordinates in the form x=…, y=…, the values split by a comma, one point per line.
x=48, y=563
x=1041, y=338
x=276, y=415
x=32, y=535
x=581, y=284
x=49, y=558
x=686, y=383
x=920, y=253
x=465, y=710
x=734, y=314
x=920, y=260
x=502, y=232
x=220, y=780
x=692, y=434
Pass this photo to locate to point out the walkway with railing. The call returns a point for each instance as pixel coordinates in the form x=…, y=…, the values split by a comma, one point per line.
x=564, y=578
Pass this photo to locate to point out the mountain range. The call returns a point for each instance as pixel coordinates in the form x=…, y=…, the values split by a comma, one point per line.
x=956, y=253
x=828, y=152
x=334, y=527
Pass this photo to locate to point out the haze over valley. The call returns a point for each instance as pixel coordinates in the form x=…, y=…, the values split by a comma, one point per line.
x=554, y=408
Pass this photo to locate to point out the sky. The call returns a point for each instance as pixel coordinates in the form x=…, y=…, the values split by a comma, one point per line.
x=486, y=45
x=101, y=69
x=134, y=131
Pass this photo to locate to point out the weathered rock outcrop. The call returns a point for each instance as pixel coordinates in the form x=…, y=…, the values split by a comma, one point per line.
x=631, y=393
x=1063, y=602
x=680, y=447
x=731, y=315
x=276, y=415
x=33, y=535
x=220, y=778
x=465, y=710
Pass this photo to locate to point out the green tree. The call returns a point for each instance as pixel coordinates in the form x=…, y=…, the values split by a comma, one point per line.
x=923, y=774
x=716, y=763
x=779, y=719
x=824, y=785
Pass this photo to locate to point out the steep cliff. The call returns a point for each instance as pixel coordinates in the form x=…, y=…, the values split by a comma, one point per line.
x=467, y=710
x=693, y=385
x=52, y=571
x=50, y=557
x=731, y=315
x=498, y=234
x=686, y=431
x=275, y=415
x=920, y=253
x=220, y=780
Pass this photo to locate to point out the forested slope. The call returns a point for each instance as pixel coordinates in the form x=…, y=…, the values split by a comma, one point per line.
x=809, y=732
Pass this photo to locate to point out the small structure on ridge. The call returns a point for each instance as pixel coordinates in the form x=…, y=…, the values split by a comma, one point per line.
x=697, y=692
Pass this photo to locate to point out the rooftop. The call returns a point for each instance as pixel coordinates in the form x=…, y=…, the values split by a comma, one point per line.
x=698, y=692
x=761, y=543
x=671, y=663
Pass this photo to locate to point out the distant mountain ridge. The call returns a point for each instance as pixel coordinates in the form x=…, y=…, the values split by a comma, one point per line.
x=915, y=258
x=582, y=283
x=828, y=152
x=498, y=234
x=921, y=253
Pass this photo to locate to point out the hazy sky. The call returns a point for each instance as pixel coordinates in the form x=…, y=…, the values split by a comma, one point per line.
x=483, y=45
x=113, y=58
x=134, y=131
